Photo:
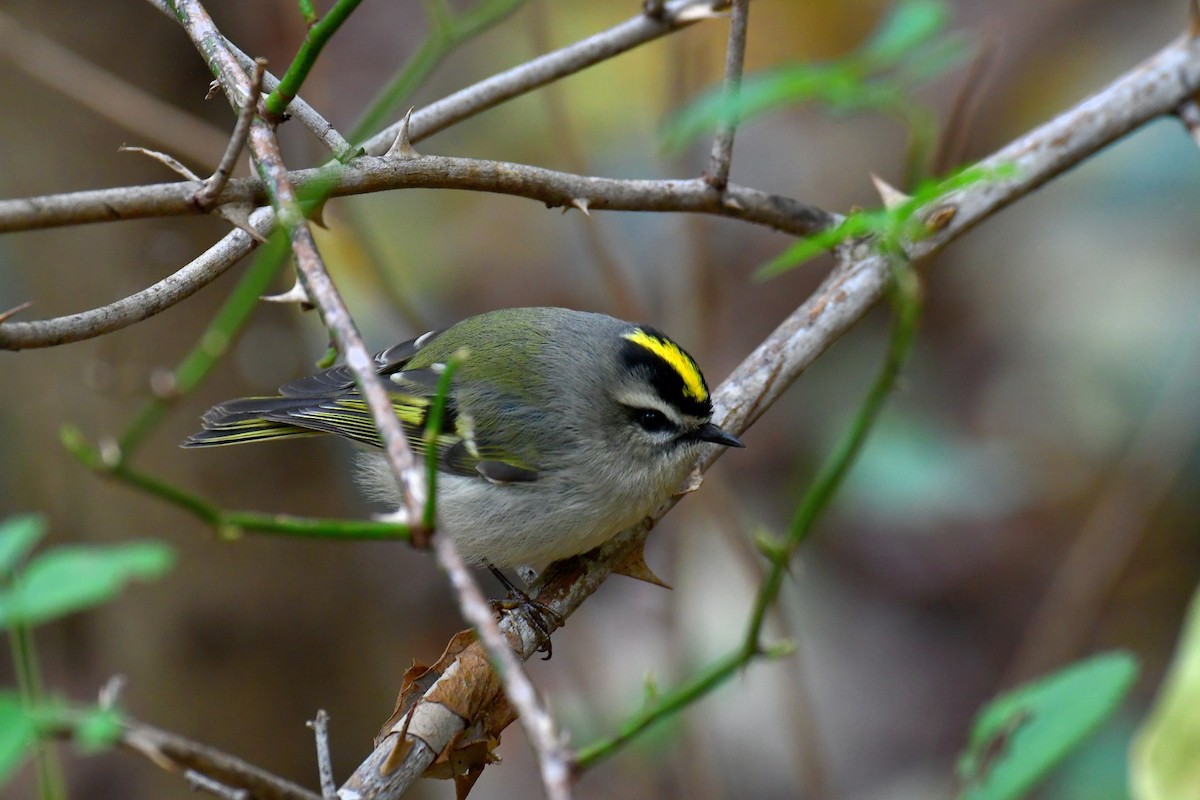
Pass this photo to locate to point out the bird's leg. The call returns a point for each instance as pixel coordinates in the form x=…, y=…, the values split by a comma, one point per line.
x=540, y=615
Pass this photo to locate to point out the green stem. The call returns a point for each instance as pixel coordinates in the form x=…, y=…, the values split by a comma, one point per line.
x=906, y=300
x=713, y=676
x=433, y=427
x=318, y=35
x=229, y=524
x=50, y=781
x=446, y=33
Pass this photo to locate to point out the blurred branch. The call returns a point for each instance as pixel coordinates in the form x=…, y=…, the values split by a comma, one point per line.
x=1134, y=485
x=626, y=302
x=956, y=132
x=447, y=31
x=735, y=57
x=214, y=342
x=108, y=95
x=504, y=86
x=178, y=754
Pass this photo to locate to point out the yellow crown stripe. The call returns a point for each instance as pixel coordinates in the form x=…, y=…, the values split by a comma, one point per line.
x=673, y=354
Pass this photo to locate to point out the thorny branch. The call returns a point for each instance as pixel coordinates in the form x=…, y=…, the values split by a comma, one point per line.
x=1159, y=86
x=855, y=285
x=735, y=57
x=324, y=295
x=213, y=187
x=458, y=106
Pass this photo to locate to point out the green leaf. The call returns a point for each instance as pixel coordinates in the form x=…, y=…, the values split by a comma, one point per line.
x=18, y=535
x=1019, y=737
x=909, y=26
x=18, y=732
x=1163, y=758
x=892, y=225
x=69, y=579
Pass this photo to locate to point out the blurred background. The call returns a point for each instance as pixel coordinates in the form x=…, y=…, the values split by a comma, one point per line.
x=1029, y=497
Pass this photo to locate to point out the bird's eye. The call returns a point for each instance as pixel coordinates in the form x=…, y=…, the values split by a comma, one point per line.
x=653, y=420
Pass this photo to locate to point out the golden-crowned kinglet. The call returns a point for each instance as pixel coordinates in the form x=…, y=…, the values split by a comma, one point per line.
x=561, y=429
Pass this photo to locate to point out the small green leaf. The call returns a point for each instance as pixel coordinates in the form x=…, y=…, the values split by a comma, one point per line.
x=1017, y=738
x=18, y=535
x=18, y=732
x=69, y=579
x=1163, y=759
x=910, y=25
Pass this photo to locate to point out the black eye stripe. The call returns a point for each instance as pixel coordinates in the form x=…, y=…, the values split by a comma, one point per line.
x=667, y=382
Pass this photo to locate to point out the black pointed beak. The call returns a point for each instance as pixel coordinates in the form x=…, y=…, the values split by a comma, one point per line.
x=711, y=433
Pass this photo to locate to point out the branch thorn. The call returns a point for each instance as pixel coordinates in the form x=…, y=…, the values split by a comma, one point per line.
x=402, y=148
x=891, y=196
x=578, y=202
x=297, y=294
x=4, y=315
x=170, y=162
x=696, y=13
x=110, y=692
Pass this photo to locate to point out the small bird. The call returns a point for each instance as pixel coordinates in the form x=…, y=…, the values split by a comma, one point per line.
x=561, y=428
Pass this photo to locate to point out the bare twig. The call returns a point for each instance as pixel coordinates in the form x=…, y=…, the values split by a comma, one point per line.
x=167, y=160
x=538, y=724
x=140, y=305
x=320, y=727
x=554, y=189
x=237, y=141
x=568, y=60
x=735, y=57
x=1156, y=87
x=550, y=187
x=178, y=754
x=17, y=309
x=201, y=782
x=957, y=129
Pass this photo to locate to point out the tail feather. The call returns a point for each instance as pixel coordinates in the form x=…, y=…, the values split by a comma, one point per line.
x=249, y=431
x=242, y=420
